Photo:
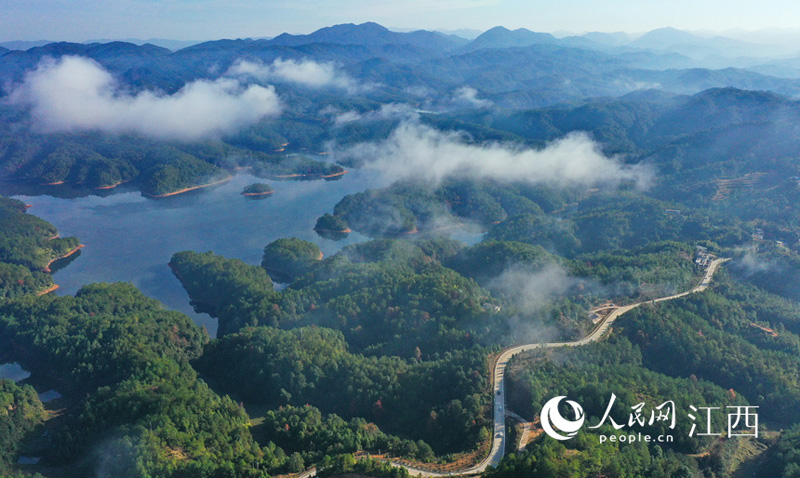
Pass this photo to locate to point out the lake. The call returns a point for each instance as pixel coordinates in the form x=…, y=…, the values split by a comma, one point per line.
x=130, y=238
x=13, y=372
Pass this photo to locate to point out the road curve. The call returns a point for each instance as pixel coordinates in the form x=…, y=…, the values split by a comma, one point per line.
x=498, y=389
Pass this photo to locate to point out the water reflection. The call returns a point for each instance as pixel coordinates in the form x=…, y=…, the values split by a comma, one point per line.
x=49, y=396
x=13, y=372
x=130, y=238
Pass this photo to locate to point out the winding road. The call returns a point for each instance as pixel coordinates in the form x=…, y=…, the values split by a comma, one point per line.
x=501, y=363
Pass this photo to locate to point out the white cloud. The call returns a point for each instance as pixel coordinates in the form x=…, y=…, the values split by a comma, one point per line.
x=419, y=91
x=633, y=85
x=752, y=264
x=75, y=93
x=347, y=117
x=532, y=293
x=469, y=95
x=416, y=151
x=385, y=112
x=529, y=290
x=304, y=72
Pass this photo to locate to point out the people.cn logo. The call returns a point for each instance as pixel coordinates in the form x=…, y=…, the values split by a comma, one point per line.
x=553, y=422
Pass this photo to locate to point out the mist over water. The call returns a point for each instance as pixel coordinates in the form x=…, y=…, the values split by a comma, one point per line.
x=131, y=238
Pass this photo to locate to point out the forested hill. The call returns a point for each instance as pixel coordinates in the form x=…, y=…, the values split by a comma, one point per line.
x=28, y=247
x=357, y=68
x=539, y=63
x=587, y=174
x=724, y=165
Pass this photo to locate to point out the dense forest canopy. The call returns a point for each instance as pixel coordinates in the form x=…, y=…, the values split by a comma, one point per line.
x=28, y=246
x=587, y=188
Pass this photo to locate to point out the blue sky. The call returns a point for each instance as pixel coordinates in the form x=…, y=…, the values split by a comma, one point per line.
x=78, y=20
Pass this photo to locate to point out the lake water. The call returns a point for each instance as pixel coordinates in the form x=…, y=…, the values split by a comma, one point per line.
x=130, y=238
x=13, y=372
x=49, y=396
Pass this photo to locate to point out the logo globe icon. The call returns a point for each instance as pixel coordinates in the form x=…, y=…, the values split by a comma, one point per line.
x=554, y=424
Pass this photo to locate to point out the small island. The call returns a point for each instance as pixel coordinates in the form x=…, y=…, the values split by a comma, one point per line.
x=258, y=189
x=331, y=223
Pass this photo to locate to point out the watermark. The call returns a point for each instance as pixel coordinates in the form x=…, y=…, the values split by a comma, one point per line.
x=742, y=421
x=551, y=418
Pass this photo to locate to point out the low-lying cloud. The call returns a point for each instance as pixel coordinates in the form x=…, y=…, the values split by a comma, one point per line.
x=389, y=111
x=75, y=93
x=751, y=264
x=466, y=95
x=417, y=151
x=529, y=290
x=532, y=293
x=304, y=72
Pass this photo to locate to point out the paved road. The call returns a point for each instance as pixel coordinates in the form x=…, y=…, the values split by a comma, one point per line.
x=498, y=389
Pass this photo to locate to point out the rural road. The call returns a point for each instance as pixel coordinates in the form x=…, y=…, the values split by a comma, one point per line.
x=498, y=389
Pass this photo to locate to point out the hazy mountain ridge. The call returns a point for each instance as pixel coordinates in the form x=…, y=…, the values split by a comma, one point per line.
x=502, y=37
x=514, y=69
x=370, y=34
x=647, y=119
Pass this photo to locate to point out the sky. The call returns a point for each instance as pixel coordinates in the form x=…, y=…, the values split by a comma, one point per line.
x=80, y=20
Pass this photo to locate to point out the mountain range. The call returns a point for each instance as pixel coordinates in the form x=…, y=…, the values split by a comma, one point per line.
x=511, y=68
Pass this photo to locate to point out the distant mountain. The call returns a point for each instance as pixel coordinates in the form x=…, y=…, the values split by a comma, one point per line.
x=218, y=45
x=55, y=49
x=103, y=52
x=650, y=95
x=721, y=107
x=609, y=39
x=467, y=33
x=693, y=80
x=463, y=34
x=423, y=64
x=23, y=45
x=502, y=37
x=370, y=34
x=663, y=38
x=504, y=69
x=118, y=49
x=401, y=76
x=581, y=42
x=697, y=47
x=3, y=50
x=782, y=41
x=784, y=68
x=148, y=66
x=220, y=54
x=647, y=120
x=173, y=45
x=650, y=60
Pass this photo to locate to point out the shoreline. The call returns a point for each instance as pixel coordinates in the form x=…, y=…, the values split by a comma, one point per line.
x=73, y=251
x=47, y=291
x=266, y=193
x=112, y=186
x=186, y=190
x=298, y=175
x=346, y=230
